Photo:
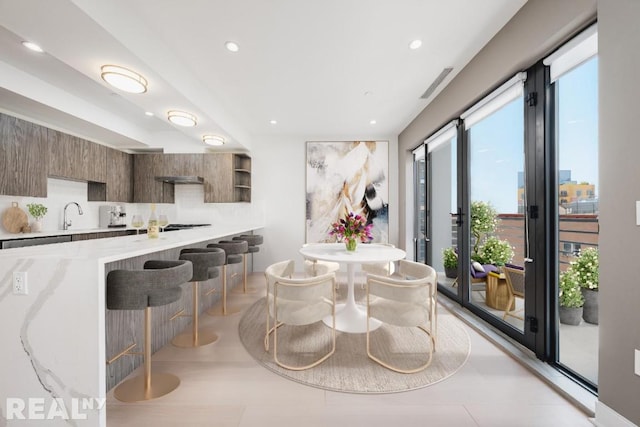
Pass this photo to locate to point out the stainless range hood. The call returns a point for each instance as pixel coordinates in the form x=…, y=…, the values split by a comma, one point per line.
x=181, y=179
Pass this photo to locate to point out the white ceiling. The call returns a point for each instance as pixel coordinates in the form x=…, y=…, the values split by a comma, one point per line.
x=320, y=68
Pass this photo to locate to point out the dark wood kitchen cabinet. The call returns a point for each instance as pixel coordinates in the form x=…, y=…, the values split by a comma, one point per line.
x=146, y=189
x=119, y=183
x=182, y=165
x=227, y=178
x=23, y=158
x=74, y=158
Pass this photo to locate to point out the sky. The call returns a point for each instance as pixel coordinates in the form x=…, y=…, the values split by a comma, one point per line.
x=496, y=147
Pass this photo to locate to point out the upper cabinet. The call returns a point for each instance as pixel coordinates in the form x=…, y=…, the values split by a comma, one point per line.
x=227, y=178
x=119, y=183
x=74, y=158
x=147, y=168
x=146, y=188
x=23, y=158
x=119, y=176
x=29, y=153
x=182, y=165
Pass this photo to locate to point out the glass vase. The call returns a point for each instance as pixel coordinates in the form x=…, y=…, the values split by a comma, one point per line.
x=351, y=244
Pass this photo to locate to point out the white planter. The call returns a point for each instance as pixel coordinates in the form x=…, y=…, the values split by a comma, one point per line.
x=36, y=226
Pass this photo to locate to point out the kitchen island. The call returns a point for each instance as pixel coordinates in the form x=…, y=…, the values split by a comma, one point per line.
x=55, y=337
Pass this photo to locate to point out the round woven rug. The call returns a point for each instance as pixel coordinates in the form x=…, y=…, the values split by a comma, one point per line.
x=349, y=369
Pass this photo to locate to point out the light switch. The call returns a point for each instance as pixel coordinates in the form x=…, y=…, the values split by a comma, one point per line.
x=637, y=363
x=637, y=212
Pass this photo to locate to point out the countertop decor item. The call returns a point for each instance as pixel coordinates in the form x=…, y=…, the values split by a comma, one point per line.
x=37, y=211
x=14, y=219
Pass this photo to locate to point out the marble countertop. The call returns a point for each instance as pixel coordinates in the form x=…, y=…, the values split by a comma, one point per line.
x=122, y=247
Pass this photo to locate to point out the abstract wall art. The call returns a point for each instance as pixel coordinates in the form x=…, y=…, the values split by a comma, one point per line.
x=345, y=177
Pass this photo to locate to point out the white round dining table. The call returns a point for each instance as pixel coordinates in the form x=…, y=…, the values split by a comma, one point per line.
x=350, y=317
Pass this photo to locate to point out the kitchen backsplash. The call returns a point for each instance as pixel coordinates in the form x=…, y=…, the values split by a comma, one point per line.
x=189, y=207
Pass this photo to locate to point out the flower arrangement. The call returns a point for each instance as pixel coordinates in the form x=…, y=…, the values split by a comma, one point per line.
x=351, y=228
x=37, y=210
x=585, y=267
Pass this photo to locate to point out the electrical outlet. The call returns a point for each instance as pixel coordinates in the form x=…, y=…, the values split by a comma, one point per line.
x=637, y=363
x=20, y=283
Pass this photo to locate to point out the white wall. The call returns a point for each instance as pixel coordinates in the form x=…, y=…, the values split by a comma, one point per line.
x=189, y=207
x=279, y=184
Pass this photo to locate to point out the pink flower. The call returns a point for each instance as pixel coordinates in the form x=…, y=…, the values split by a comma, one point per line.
x=352, y=226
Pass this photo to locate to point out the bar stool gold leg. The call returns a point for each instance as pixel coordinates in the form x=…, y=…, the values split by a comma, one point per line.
x=195, y=338
x=148, y=386
x=245, y=290
x=215, y=311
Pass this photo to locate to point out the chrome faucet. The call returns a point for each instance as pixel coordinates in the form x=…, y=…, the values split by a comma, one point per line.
x=67, y=222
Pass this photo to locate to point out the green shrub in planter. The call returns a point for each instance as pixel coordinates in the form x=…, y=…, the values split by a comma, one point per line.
x=450, y=258
x=569, y=290
x=450, y=261
x=586, y=267
x=484, y=220
x=494, y=251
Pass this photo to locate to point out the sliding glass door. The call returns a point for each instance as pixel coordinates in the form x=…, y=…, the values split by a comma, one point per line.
x=510, y=217
x=497, y=196
x=576, y=105
x=442, y=196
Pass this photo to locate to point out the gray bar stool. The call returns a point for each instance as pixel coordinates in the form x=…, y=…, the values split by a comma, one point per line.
x=253, y=240
x=205, y=266
x=158, y=284
x=234, y=250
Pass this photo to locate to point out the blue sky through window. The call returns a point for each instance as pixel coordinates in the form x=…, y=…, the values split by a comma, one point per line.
x=496, y=149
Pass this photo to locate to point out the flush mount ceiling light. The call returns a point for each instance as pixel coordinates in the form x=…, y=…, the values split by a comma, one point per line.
x=273, y=122
x=32, y=46
x=181, y=118
x=123, y=79
x=415, y=44
x=232, y=46
x=213, y=140
x=372, y=122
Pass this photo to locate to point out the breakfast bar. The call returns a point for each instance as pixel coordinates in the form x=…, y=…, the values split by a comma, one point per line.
x=54, y=337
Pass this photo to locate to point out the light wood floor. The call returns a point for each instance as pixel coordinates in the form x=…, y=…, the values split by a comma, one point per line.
x=223, y=386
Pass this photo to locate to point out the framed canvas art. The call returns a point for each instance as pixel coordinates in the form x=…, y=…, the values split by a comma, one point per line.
x=343, y=177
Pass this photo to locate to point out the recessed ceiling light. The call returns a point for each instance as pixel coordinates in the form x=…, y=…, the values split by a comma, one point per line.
x=415, y=44
x=148, y=113
x=273, y=122
x=232, y=46
x=123, y=79
x=213, y=140
x=32, y=46
x=372, y=122
x=368, y=93
x=182, y=118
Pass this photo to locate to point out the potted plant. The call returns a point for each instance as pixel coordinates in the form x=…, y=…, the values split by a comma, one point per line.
x=484, y=220
x=37, y=211
x=494, y=251
x=450, y=261
x=570, y=299
x=586, y=267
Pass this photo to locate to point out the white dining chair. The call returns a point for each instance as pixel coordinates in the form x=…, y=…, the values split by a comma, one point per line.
x=314, y=267
x=406, y=300
x=298, y=302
